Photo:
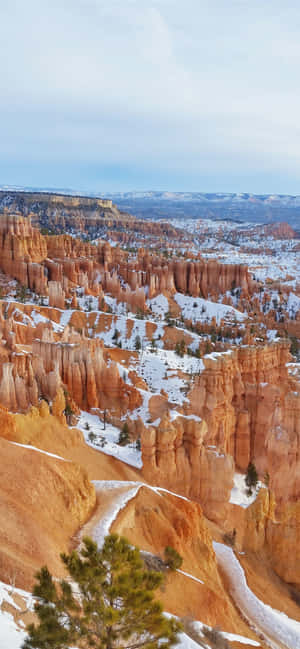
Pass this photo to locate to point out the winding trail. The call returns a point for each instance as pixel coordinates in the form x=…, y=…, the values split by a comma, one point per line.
x=280, y=631
x=112, y=496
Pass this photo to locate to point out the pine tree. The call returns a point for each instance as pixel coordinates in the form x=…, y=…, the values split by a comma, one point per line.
x=172, y=558
x=138, y=343
x=109, y=605
x=294, y=348
x=124, y=435
x=251, y=478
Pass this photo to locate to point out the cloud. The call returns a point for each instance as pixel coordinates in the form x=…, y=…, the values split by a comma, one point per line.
x=184, y=86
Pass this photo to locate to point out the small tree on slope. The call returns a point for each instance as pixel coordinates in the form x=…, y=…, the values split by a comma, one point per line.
x=251, y=478
x=109, y=605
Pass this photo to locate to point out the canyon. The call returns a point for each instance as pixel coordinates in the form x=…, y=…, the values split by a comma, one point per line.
x=192, y=357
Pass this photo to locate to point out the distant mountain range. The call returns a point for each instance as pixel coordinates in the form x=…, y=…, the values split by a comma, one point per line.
x=203, y=197
x=255, y=208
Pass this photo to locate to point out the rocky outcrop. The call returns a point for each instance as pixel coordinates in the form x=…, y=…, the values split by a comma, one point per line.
x=59, y=498
x=150, y=272
x=251, y=408
x=264, y=527
x=58, y=210
x=279, y=231
x=283, y=541
x=155, y=520
x=22, y=249
x=57, y=295
x=75, y=363
x=58, y=264
x=175, y=457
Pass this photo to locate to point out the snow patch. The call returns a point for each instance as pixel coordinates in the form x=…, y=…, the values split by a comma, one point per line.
x=239, y=492
x=274, y=623
x=197, y=309
x=106, y=441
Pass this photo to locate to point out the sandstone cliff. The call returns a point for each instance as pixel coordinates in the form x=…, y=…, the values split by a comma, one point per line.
x=56, y=493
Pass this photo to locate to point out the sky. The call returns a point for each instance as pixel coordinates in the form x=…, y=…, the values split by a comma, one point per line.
x=178, y=95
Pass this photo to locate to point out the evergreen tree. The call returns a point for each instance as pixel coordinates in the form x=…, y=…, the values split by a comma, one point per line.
x=180, y=348
x=109, y=605
x=294, y=348
x=138, y=343
x=124, y=435
x=251, y=478
x=172, y=558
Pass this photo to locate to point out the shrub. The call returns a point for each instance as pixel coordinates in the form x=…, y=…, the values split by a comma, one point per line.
x=116, y=335
x=124, y=435
x=180, y=348
x=229, y=538
x=294, y=348
x=251, y=478
x=137, y=343
x=215, y=637
x=68, y=410
x=173, y=560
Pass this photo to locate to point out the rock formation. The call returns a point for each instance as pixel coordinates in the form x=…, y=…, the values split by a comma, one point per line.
x=251, y=408
x=22, y=249
x=43, y=502
x=250, y=411
x=174, y=456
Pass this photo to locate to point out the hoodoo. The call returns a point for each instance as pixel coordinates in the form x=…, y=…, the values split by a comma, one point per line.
x=154, y=392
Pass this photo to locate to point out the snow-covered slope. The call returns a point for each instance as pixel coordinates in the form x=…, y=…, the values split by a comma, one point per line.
x=276, y=625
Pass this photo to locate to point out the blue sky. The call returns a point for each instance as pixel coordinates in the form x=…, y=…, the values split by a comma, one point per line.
x=132, y=94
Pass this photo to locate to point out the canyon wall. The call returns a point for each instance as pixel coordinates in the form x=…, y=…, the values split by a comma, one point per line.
x=44, y=500
x=36, y=363
x=174, y=456
x=22, y=249
x=34, y=259
x=250, y=411
x=252, y=407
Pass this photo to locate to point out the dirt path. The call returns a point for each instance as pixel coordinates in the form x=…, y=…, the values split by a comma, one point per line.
x=278, y=631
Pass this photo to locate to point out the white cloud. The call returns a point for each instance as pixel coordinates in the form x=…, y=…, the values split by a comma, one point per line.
x=136, y=80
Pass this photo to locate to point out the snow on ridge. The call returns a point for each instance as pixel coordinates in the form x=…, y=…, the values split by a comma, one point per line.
x=39, y=450
x=102, y=528
x=159, y=305
x=106, y=441
x=159, y=370
x=293, y=304
x=187, y=574
x=199, y=310
x=239, y=492
x=233, y=637
x=11, y=636
x=274, y=623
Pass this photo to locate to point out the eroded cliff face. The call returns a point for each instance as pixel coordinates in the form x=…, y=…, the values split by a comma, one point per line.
x=76, y=365
x=65, y=262
x=22, y=249
x=251, y=407
x=283, y=539
x=155, y=520
x=248, y=409
x=43, y=501
x=174, y=456
x=243, y=406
